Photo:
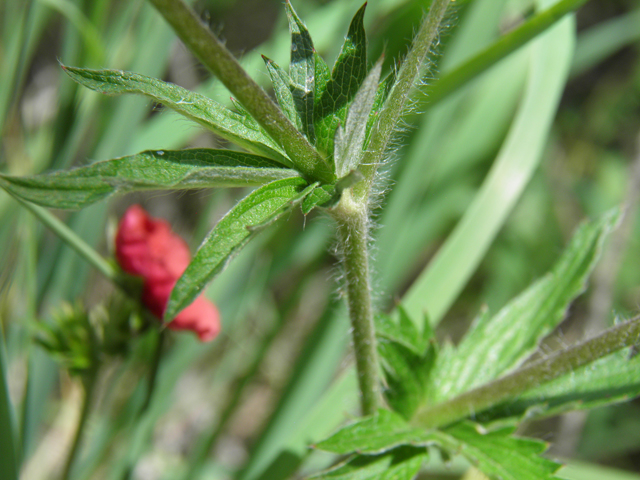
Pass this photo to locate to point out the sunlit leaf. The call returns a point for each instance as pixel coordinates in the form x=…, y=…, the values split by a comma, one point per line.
x=497, y=453
x=282, y=88
x=302, y=71
x=497, y=344
x=612, y=379
x=349, y=140
x=253, y=213
x=222, y=121
x=374, y=435
x=323, y=196
x=401, y=463
x=347, y=75
x=151, y=170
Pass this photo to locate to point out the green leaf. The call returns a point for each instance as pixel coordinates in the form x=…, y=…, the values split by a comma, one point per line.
x=302, y=71
x=500, y=343
x=254, y=212
x=441, y=282
x=612, y=379
x=404, y=331
x=151, y=170
x=347, y=75
x=222, y=121
x=323, y=196
x=407, y=357
x=349, y=140
x=407, y=375
x=381, y=95
x=374, y=435
x=321, y=79
x=497, y=453
x=282, y=88
x=402, y=463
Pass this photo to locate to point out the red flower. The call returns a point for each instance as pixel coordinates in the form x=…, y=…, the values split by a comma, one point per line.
x=147, y=247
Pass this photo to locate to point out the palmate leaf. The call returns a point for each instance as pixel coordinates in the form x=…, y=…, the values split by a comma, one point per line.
x=232, y=126
x=348, y=73
x=254, y=212
x=497, y=453
x=500, y=343
x=402, y=463
x=150, y=170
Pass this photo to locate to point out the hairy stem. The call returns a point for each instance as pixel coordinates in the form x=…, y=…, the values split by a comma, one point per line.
x=559, y=364
x=214, y=55
x=352, y=218
x=89, y=384
x=396, y=102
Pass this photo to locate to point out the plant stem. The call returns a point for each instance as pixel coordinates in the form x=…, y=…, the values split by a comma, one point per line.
x=232, y=402
x=214, y=55
x=395, y=105
x=502, y=47
x=89, y=384
x=73, y=240
x=353, y=234
x=151, y=386
x=561, y=363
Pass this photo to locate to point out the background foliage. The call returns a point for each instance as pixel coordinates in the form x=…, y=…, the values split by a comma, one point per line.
x=276, y=379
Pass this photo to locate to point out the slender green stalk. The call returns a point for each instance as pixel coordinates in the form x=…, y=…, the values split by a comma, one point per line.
x=151, y=386
x=89, y=383
x=396, y=103
x=232, y=402
x=488, y=57
x=73, y=240
x=353, y=225
x=214, y=55
x=624, y=335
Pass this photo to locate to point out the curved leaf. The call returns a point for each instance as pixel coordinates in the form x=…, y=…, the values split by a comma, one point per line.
x=497, y=344
x=497, y=453
x=302, y=71
x=222, y=121
x=254, y=212
x=150, y=170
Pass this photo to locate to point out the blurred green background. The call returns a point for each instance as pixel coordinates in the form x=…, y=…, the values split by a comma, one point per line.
x=493, y=179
